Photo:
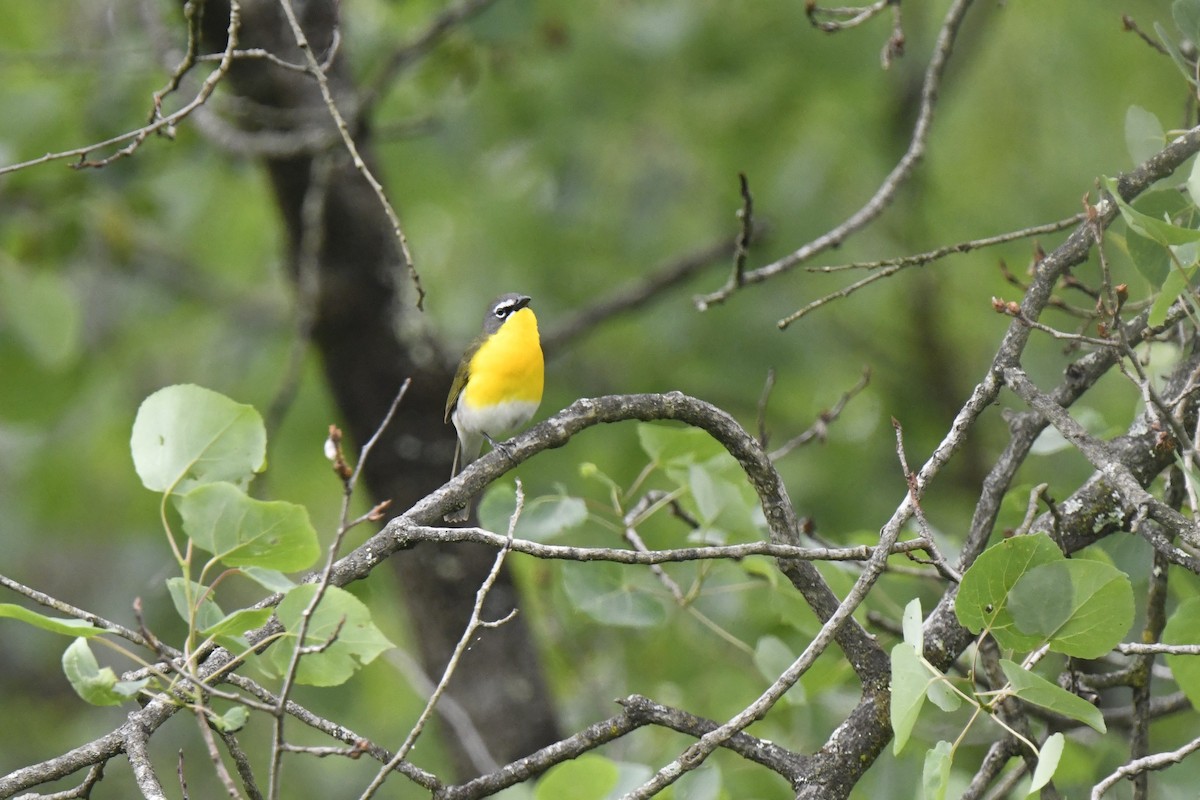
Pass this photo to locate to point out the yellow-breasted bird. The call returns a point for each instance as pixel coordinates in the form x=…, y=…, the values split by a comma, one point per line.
x=498, y=385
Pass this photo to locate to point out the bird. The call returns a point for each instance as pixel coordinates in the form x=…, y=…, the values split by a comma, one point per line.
x=498, y=385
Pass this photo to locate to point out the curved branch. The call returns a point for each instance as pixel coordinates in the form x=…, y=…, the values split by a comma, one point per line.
x=864, y=654
x=887, y=190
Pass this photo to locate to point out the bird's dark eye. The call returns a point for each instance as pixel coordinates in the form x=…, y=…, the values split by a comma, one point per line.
x=503, y=311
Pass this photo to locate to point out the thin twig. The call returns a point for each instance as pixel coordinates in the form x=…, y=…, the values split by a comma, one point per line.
x=134, y=139
x=820, y=429
x=473, y=625
x=886, y=192
x=697, y=753
x=242, y=762
x=929, y=256
x=635, y=295
x=844, y=18
x=1013, y=309
x=315, y=69
x=745, y=215
x=935, y=557
x=586, y=740
x=78, y=613
x=1139, y=648
x=761, y=416
x=886, y=268
x=322, y=584
x=1139, y=765
x=411, y=52
x=408, y=534
x=452, y=712
x=308, y=273
x=1131, y=25
x=214, y=755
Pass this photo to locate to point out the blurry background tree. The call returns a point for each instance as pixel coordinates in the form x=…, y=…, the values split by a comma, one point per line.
x=588, y=155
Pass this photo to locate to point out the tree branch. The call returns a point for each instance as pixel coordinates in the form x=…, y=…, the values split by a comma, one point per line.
x=887, y=190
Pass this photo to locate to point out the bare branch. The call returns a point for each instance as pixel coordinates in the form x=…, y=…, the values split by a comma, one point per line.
x=159, y=124
x=896, y=178
x=1140, y=765
x=1103, y=458
x=819, y=429
x=135, y=740
x=588, y=739
x=322, y=583
x=54, y=603
x=408, y=535
x=411, y=52
x=473, y=625
x=315, y=69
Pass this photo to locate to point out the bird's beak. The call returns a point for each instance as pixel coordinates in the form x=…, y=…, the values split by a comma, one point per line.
x=522, y=301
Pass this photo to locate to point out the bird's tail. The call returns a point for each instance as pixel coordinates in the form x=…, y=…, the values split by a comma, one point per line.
x=464, y=454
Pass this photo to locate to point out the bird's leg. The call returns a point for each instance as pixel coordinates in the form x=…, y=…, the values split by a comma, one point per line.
x=501, y=446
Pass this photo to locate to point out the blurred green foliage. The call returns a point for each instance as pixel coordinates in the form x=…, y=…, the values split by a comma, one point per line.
x=565, y=150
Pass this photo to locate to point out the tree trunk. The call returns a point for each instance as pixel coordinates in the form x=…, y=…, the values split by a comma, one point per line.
x=358, y=311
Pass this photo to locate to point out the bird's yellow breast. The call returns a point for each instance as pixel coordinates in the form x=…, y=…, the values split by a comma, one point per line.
x=508, y=366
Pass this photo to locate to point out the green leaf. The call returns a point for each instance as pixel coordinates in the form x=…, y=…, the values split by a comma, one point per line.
x=707, y=492
x=629, y=777
x=63, y=625
x=187, y=435
x=1183, y=627
x=1041, y=600
x=942, y=695
x=761, y=568
x=1188, y=69
x=542, y=518
x=1193, y=183
x=700, y=784
x=982, y=600
x=243, y=532
x=270, y=579
x=676, y=445
x=722, y=496
x=43, y=312
x=1158, y=230
x=185, y=595
x=341, y=626
x=97, y=686
x=1048, y=758
x=606, y=593
x=230, y=630
x=773, y=657
x=1175, y=284
x=232, y=720
x=1082, y=607
x=1050, y=441
x=589, y=777
x=1186, y=14
x=1152, y=259
x=910, y=679
x=935, y=776
x=1033, y=688
x=911, y=624
x=1143, y=134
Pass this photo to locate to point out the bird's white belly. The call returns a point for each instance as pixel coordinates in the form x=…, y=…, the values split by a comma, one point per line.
x=497, y=421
